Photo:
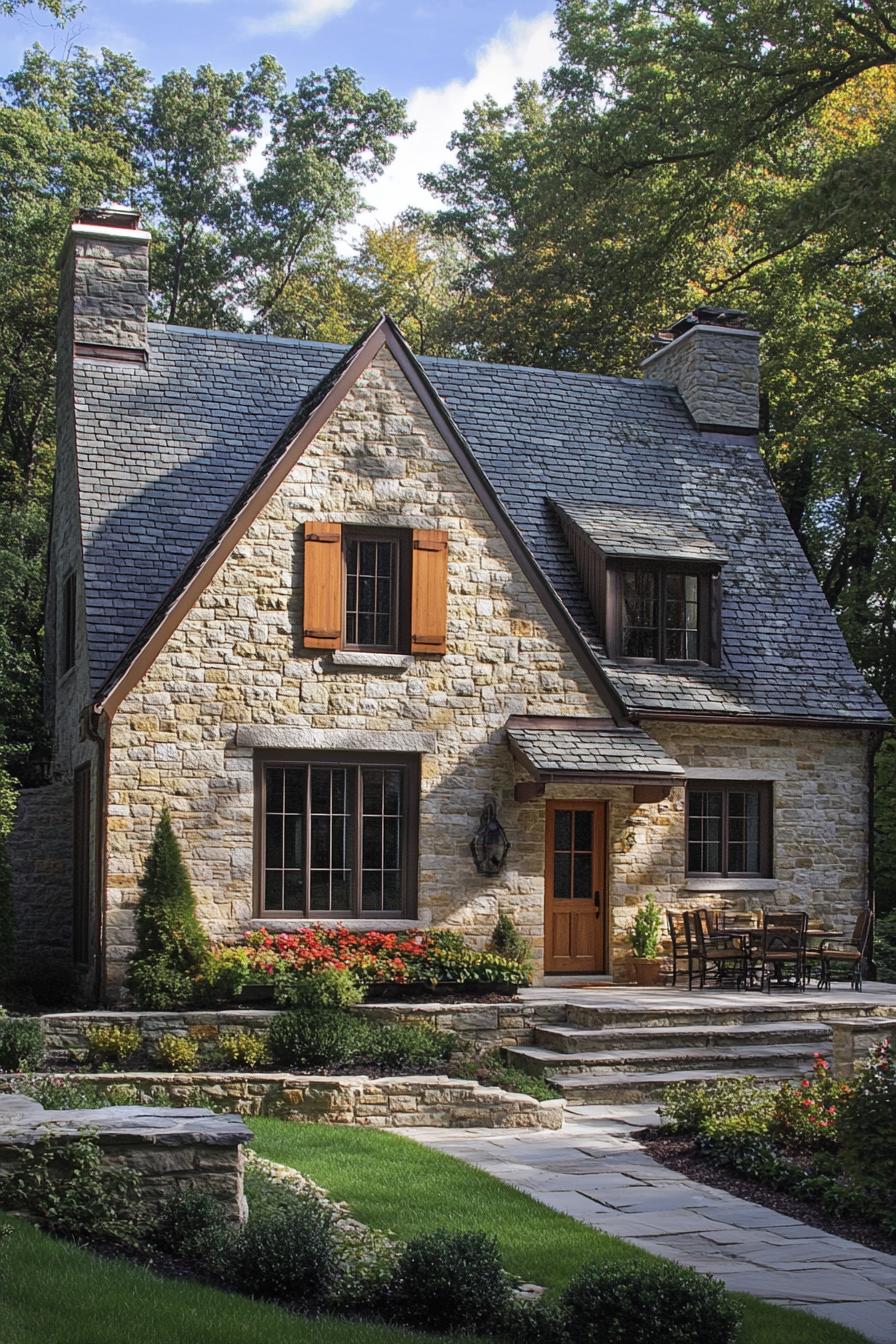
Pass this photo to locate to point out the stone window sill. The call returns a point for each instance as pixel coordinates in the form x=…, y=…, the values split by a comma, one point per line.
x=277, y=925
x=345, y=660
x=722, y=884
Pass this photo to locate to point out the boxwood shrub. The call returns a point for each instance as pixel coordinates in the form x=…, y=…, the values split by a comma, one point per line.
x=627, y=1304
x=21, y=1044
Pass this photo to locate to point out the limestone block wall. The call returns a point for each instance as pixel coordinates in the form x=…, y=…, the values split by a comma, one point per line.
x=237, y=660
x=378, y=1103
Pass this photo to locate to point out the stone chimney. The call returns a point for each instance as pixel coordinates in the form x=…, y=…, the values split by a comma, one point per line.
x=712, y=356
x=104, y=287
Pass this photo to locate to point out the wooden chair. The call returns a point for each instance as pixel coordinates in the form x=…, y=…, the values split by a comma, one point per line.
x=681, y=948
x=852, y=955
x=710, y=951
x=782, y=943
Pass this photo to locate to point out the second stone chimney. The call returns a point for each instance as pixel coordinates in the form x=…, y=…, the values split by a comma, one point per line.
x=104, y=286
x=712, y=356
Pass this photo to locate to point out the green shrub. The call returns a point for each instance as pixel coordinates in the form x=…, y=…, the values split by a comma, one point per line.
x=646, y=928
x=67, y=1186
x=490, y=1070
x=191, y=1226
x=885, y=946
x=68, y=1093
x=290, y=1254
x=222, y=974
x=172, y=948
x=243, y=1049
x=179, y=1053
x=21, y=1044
x=867, y=1126
x=449, y=1283
x=610, y=1303
x=686, y=1106
x=412, y=1045
x=324, y=988
x=112, y=1044
x=507, y=941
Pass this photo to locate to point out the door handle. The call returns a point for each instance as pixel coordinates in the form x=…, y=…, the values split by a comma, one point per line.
x=597, y=903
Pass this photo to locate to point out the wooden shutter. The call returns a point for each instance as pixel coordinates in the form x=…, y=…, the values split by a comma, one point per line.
x=429, y=591
x=322, y=610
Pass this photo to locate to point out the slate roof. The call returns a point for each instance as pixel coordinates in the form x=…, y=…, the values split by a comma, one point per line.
x=624, y=530
x=555, y=752
x=164, y=450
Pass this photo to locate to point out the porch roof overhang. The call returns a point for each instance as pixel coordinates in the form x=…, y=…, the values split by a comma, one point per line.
x=590, y=749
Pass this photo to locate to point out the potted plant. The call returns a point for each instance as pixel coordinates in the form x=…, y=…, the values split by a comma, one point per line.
x=645, y=940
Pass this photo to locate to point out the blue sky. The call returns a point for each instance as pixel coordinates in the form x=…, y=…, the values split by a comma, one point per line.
x=442, y=56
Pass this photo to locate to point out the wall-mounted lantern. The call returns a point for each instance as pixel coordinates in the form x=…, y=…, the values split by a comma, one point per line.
x=489, y=845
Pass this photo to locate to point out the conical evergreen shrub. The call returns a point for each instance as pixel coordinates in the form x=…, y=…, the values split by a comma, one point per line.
x=171, y=943
x=507, y=941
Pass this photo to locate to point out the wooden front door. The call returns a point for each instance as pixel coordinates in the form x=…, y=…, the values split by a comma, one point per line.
x=575, y=887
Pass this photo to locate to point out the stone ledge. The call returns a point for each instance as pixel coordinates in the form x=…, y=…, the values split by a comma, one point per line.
x=853, y=1039
x=352, y=1099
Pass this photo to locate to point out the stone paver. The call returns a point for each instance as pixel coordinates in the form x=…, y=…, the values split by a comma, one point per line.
x=595, y=1171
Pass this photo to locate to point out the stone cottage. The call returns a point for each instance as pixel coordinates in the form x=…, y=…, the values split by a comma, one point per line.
x=332, y=605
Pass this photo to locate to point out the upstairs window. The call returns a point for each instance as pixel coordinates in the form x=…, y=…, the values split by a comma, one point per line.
x=375, y=591
x=661, y=612
x=660, y=615
x=729, y=829
x=68, y=616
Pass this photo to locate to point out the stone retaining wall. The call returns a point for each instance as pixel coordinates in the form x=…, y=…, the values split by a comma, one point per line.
x=170, y=1149
x=853, y=1039
x=380, y=1103
x=485, y=1025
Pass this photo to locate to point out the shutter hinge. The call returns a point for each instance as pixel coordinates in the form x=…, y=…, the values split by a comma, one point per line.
x=318, y=536
x=322, y=634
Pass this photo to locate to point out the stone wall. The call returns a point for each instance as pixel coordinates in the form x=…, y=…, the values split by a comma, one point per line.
x=237, y=660
x=378, y=1103
x=484, y=1025
x=169, y=1149
x=39, y=848
x=716, y=371
x=853, y=1039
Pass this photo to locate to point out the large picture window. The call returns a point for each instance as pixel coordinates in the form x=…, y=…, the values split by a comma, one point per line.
x=336, y=837
x=729, y=829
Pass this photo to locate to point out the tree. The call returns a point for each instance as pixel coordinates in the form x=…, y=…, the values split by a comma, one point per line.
x=171, y=943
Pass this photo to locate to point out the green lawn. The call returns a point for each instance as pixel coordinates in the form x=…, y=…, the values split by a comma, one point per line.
x=55, y=1293
x=397, y=1185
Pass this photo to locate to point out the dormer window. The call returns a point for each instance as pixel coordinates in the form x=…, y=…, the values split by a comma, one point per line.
x=660, y=614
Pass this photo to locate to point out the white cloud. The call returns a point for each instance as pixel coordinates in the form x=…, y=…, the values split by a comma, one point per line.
x=299, y=16
x=521, y=49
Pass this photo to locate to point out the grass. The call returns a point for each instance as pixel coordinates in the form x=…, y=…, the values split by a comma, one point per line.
x=399, y=1186
x=56, y=1293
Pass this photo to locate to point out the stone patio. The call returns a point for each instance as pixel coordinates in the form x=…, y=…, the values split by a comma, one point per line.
x=595, y=1171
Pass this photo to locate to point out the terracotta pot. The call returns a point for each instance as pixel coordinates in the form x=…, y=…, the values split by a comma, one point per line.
x=647, y=970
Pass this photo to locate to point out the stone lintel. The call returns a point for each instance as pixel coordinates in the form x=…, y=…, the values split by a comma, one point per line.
x=332, y=739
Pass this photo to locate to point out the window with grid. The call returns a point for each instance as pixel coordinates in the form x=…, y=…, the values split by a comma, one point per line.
x=336, y=838
x=372, y=591
x=661, y=614
x=729, y=829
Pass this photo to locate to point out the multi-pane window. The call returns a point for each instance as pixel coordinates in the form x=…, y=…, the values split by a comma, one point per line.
x=660, y=614
x=729, y=829
x=67, y=624
x=336, y=838
x=573, y=854
x=372, y=591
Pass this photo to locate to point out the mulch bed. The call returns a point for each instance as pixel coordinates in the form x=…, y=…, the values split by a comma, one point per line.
x=680, y=1153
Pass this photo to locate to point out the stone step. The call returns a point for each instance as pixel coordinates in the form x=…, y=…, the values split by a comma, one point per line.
x=789, y=1057
x=622, y=1088
x=575, y=1040
x=745, y=1009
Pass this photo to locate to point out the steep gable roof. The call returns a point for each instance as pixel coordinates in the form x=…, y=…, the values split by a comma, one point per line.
x=168, y=453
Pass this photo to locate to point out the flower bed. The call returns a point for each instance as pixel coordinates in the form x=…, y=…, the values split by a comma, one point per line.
x=267, y=964
x=828, y=1143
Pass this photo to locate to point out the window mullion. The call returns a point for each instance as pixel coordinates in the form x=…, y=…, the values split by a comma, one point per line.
x=357, y=845
x=725, y=835
x=661, y=615
x=306, y=854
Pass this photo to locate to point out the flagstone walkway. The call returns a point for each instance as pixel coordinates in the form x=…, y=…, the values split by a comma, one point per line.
x=595, y=1171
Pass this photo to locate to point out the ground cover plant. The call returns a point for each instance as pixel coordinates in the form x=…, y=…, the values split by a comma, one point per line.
x=830, y=1143
x=21, y=1044
x=330, y=1038
x=373, y=1171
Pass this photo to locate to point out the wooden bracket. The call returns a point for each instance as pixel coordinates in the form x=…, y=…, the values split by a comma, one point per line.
x=650, y=793
x=528, y=791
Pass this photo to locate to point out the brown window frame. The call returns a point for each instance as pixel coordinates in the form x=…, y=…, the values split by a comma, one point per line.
x=68, y=623
x=726, y=787
x=410, y=764
x=400, y=540
x=82, y=793
x=708, y=610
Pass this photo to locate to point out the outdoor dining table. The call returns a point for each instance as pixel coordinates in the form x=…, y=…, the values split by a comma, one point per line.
x=743, y=933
